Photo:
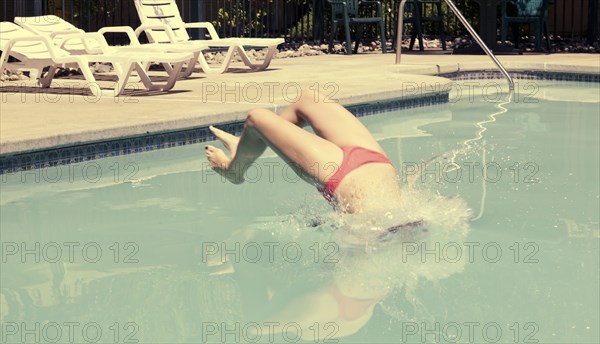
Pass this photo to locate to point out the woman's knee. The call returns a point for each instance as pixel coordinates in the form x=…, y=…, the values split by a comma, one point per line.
x=255, y=116
x=309, y=96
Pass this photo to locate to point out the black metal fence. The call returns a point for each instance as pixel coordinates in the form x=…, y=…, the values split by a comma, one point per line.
x=298, y=21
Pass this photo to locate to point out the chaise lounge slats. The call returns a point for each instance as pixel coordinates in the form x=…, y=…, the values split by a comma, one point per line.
x=35, y=52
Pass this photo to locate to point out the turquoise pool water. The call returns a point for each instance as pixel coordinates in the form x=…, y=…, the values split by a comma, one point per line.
x=156, y=248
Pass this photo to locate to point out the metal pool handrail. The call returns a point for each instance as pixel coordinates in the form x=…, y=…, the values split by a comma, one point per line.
x=511, y=83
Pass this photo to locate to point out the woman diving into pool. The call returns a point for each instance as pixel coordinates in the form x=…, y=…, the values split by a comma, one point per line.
x=351, y=170
x=341, y=158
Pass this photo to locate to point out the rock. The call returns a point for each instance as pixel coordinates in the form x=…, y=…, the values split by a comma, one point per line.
x=304, y=49
x=102, y=68
x=219, y=58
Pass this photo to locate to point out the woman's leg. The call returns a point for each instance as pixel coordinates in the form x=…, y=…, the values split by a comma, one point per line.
x=315, y=157
x=330, y=121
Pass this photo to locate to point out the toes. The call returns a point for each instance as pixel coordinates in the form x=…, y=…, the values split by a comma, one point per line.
x=210, y=151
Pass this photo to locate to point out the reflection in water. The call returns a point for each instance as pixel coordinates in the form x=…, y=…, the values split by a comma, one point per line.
x=323, y=270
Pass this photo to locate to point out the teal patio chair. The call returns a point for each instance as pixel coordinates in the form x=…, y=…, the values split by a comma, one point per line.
x=527, y=12
x=347, y=12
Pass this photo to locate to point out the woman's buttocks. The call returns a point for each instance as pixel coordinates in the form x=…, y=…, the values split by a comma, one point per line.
x=374, y=182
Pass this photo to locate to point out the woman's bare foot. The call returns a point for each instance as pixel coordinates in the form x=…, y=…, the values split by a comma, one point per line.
x=229, y=141
x=219, y=161
x=217, y=158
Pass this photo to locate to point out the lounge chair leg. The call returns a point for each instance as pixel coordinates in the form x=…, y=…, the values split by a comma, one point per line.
x=168, y=68
x=440, y=14
x=256, y=66
x=189, y=69
x=348, y=38
x=547, y=36
x=383, y=41
x=419, y=26
x=359, y=36
x=89, y=77
x=504, y=32
x=217, y=70
x=538, y=35
x=413, y=37
x=124, y=77
x=47, y=79
x=268, y=58
x=143, y=75
x=173, y=76
x=333, y=32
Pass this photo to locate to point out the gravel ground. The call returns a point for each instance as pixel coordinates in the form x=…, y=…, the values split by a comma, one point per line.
x=558, y=45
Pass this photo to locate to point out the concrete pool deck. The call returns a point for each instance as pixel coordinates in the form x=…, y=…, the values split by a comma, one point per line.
x=67, y=114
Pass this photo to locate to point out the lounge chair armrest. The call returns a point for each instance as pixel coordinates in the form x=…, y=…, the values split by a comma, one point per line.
x=65, y=32
x=85, y=37
x=133, y=39
x=375, y=2
x=7, y=47
x=208, y=26
x=166, y=28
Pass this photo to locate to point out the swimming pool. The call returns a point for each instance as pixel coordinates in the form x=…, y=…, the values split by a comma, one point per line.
x=155, y=247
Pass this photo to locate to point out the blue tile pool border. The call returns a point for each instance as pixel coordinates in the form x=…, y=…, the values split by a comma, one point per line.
x=24, y=161
x=522, y=75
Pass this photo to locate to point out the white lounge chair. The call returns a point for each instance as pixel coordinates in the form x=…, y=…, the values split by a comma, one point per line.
x=35, y=52
x=162, y=23
x=58, y=29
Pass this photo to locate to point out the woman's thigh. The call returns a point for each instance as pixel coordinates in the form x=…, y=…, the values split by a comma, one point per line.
x=316, y=156
x=333, y=122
